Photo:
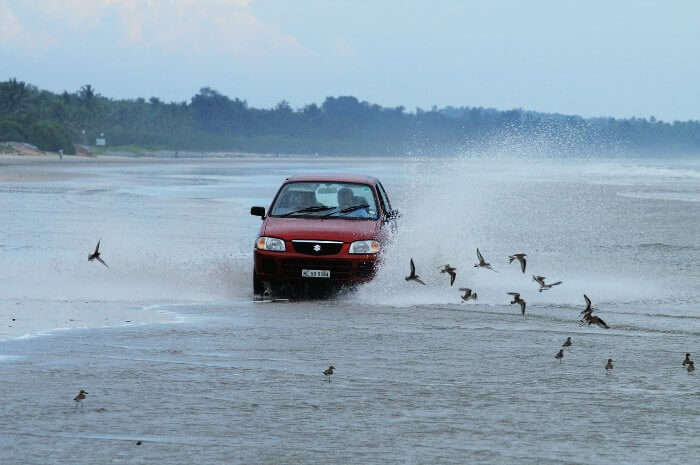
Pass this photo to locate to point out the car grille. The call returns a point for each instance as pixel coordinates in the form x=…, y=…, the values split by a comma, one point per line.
x=317, y=248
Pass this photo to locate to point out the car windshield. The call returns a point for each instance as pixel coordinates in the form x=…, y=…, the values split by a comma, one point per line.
x=325, y=200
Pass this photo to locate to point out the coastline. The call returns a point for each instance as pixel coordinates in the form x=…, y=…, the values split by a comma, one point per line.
x=39, y=317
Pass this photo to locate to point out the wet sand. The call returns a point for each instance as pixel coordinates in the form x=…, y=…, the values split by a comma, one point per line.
x=199, y=373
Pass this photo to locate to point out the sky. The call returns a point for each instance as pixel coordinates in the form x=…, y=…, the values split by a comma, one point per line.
x=592, y=58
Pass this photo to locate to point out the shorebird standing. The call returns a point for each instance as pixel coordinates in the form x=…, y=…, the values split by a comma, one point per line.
x=518, y=300
x=468, y=294
x=567, y=343
x=80, y=397
x=413, y=276
x=609, y=365
x=544, y=286
x=482, y=263
x=519, y=257
x=560, y=355
x=329, y=372
x=691, y=366
x=449, y=270
x=687, y=359
x=96, y=255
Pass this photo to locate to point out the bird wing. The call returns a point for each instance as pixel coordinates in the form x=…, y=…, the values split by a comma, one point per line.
x=514, y=294
x=538, y=279
x=97, y=247
x=523, y=304
x=102, y=261
x=479, y=256
x=523, y=264
x=453, y=275
x=413, y=269
x=556, y=284
x=419, y=280
x=511, y=258
x=588, y=301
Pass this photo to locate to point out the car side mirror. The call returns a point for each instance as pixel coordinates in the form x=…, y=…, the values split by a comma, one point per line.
x=258, y=211
x=393, y=214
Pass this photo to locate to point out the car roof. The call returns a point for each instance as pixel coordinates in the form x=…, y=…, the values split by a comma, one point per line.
x=352, y=178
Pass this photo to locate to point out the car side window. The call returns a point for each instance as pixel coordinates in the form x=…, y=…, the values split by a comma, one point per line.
x=384, y=198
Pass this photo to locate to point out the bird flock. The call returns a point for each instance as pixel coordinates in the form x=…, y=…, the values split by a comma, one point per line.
x=469, y=294
x=586, y=316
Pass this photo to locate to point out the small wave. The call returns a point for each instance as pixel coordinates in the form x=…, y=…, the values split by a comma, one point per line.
x=664, y=246
x=668, y=196
x=628, y=170
x=652, y=246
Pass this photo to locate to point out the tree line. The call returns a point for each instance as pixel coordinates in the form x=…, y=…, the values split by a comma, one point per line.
x=211, y=121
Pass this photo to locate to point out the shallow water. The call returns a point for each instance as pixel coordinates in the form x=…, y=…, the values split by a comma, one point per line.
x=420, y=377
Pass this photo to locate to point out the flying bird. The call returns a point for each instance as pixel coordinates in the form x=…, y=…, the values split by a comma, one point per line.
x=589, y=307
x=96, y=255
x=567, y=343
x=449, y=270
x=543, y=285
x=80, y=397
x=413, y=276
x=329, y=372
x=518, y=300
x=560, y=355
x=482, y=263
x=519, y=257
x=468, y=294
x=609, y=365
x=595, y=320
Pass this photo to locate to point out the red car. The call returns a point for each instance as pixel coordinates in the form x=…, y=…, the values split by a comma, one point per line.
x=321, y=229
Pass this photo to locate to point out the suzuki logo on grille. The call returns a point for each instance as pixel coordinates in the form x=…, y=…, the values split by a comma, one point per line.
x=317, y=248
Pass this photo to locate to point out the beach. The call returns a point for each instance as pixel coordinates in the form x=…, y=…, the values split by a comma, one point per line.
x=174, y=353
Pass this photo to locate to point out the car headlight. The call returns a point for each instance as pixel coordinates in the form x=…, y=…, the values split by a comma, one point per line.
x=364, y=247
x=270, y=243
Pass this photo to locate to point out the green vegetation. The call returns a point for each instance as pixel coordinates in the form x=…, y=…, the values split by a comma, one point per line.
x=341, y=125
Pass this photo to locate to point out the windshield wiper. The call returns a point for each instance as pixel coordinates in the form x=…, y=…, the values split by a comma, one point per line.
x=315, y=208
x=347, y=210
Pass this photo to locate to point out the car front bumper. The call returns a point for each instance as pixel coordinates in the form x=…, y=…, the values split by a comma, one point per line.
x=276, y=267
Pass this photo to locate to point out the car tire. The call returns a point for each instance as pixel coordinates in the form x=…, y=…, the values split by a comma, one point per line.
x=258, y=286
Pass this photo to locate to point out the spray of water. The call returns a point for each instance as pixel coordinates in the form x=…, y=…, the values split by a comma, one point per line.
x=537, y=206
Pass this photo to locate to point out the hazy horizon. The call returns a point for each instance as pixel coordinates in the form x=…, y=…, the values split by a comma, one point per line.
x=594, y=59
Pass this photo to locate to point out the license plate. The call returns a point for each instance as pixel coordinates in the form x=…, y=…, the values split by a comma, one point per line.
x=315, y=273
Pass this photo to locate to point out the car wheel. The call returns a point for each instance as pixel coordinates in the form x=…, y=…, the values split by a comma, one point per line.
x=258, y=286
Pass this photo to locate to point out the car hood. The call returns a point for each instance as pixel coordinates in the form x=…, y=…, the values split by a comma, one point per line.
x=321, y=229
